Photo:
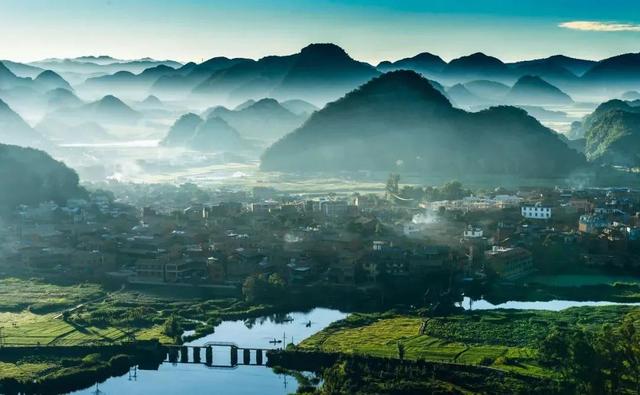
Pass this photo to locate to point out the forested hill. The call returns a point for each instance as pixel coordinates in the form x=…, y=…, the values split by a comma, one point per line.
x=30, y=176
x=399, y=121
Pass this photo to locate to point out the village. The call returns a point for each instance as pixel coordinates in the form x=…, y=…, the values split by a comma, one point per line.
x=186, y=238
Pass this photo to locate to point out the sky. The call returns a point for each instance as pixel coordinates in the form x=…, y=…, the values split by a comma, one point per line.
x=371, y=31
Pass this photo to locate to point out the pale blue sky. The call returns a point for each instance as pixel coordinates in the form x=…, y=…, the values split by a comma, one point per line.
x=369, y=30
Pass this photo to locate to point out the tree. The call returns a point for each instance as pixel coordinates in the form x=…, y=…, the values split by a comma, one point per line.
x=630, y=344
x=585, y=364
x=276, y=280
x=253, y=288
x=608, y=344
x=392, y=183
x=172, y=327
x=553, y=351
x=452, y=191
x=400, y=350
x=259, y=288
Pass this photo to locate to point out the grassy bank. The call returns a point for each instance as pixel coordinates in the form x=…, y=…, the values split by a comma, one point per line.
x=39, y=297
x=502, y=339
x=366, y=374
x=568, y=287
x=44, y=370
x=34, y=312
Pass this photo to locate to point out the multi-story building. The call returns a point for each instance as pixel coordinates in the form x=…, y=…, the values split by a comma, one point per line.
x=592, y=223
x=537, y=211
x=473, y=232
x=509, y=263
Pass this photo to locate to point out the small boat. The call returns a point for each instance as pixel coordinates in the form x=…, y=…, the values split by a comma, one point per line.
x=308, y=324
x=275, y=341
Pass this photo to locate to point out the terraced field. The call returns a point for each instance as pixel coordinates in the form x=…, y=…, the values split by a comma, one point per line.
x=24, y=371
x=28, y=329
x=381, y=336
x=36, y=296
x=31, y=314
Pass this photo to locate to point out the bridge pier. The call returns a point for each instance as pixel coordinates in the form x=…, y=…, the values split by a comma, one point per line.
x=196, y=354
x=234, y=355
x=246, y=353
x=173, y=355
x=208, y=355
x=258, y=357
x=184, y=354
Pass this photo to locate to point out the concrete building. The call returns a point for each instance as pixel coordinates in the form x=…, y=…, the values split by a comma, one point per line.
x=151, y=270
x=537, y=211
x=592, y=223
x=332, y=208
x=265, y=207
x=509, y=263
x=473, y=232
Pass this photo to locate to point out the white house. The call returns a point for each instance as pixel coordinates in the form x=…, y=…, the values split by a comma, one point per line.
x=537, y=211
x=473, y=232
x=413, y=228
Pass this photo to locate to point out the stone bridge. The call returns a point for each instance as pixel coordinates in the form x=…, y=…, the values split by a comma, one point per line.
x=204, y=355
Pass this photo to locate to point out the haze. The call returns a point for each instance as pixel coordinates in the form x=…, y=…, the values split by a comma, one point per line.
x=319, y=197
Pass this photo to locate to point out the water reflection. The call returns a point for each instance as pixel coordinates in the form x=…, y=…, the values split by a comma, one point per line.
x=261, y=332
x=198, y=379
x=551, y=305
x=190, y=379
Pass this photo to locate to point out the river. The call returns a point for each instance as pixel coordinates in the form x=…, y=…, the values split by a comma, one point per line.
x=551, y=305
x=200, y=379
x=259, y=332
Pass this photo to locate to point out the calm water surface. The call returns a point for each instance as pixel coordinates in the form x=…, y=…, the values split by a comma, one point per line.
x=250, y=380
x=200, y=379
x=551, y=305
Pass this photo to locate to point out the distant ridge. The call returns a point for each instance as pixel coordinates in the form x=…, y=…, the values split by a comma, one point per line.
x=534, y=90
x=400, y=122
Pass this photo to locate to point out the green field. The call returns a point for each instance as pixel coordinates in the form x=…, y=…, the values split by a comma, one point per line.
x=502, y=339
x=37, y=296
x=28, y=329
x=25, y=371
x=31, y=313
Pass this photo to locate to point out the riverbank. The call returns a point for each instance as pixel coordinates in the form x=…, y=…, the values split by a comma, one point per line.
x=501, y=340
x=365, y=374
x=620, y=289
x=55, y=370
x=506, y=340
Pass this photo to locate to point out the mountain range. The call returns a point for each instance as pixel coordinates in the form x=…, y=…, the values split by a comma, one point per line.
x=400, y=121
x=100, y=65
x=527, y=90
x=45, y=80
x=265, y=119
x=324, y=72
x=108, y=110
x=190, y=75
x=211, y=135
x=327, y=68
x=14, y=130
x=424, y=63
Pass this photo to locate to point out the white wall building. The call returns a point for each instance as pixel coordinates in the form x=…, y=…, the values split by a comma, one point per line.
x=473, y=232
x=537, y=211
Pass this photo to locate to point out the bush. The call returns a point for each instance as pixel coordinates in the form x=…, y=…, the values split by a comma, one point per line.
x=92, y=359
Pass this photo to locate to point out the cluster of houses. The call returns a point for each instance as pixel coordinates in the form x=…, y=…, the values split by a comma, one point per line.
x=349, y=240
